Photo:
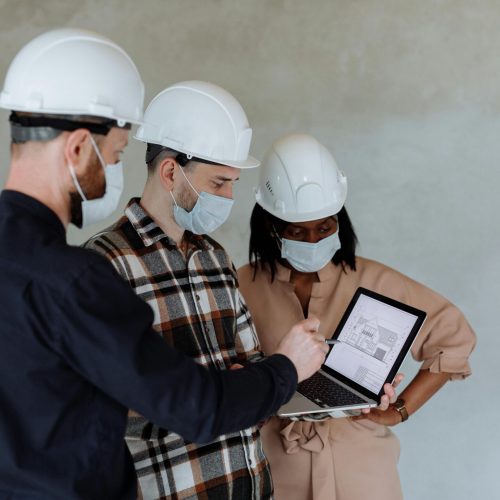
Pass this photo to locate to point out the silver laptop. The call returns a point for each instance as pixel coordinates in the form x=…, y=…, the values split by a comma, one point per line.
x=374, y=334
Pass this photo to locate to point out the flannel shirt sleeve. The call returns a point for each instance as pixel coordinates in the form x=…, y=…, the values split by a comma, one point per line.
x=246, y=342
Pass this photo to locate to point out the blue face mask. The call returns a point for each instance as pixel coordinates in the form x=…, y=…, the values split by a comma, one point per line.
x=208, y=214
x=310, y=257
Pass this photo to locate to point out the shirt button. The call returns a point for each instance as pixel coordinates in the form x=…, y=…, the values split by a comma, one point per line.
x=197, y=297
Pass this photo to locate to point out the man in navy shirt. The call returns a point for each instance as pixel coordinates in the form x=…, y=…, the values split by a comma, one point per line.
x=77, y=348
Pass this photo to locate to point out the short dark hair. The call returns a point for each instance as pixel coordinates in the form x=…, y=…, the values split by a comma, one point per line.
x=264, y=252
x=155, y=154
x=157, y=159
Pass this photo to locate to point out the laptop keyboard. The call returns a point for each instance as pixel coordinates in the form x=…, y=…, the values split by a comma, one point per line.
x=326, y=393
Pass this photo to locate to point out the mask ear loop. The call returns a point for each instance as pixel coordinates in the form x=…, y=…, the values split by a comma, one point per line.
x=189, y=182
x=277, y=237
x=185, y=177
x=75, y=182
x=73, y=173
x=173, y=198
x=101, y=159
x=98, y=153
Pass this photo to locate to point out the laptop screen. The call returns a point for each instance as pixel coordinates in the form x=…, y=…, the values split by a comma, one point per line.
x=375, y=336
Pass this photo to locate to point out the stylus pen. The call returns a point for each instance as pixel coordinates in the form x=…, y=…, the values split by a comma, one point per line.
x=333, y=341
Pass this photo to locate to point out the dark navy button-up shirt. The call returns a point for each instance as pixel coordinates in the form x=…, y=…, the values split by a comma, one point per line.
x=77, y=350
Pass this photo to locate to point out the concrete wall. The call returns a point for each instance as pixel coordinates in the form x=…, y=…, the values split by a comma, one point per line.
x=407, y=97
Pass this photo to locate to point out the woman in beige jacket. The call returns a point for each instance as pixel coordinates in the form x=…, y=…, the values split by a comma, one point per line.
x=303, y=263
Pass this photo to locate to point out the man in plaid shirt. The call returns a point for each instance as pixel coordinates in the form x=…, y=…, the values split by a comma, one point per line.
x=198, y=140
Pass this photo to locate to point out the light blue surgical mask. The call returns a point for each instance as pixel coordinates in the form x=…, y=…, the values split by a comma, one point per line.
x=310, y=257
x=208, y=214
x=96, y=210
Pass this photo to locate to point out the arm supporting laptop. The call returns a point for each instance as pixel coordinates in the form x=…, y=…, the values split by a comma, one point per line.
x=423, y=386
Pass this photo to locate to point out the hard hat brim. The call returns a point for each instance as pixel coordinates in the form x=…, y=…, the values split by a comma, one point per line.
x=303, y=217
x=250, y=162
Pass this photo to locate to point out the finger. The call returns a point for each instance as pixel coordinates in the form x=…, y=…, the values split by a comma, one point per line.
x=358, y=417
x=389, y=390
x=321, y=342
x=384, y=402
x=311, y=324
x=398, y=379
x=391, y=393
x=319, y=337
x=323, y=347
x=236, y=366
x=393, y=398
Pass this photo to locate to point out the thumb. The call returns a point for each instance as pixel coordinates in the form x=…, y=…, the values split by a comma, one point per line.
x=311, y=324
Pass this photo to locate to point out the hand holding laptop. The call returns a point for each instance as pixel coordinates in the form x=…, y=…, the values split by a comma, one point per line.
x=305, y=347
x=390, y=396
x=381, y=415
x=372, y=339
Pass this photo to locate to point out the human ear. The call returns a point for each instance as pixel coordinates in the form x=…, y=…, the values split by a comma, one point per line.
x=78, y=149
x=166, y=173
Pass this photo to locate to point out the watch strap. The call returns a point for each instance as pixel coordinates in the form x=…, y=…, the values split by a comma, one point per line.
x=400, y=407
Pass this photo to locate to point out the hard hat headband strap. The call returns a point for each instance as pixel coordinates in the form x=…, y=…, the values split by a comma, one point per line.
x=153, y=150
x=183, y=159
x=44, y=128
x=20, y=134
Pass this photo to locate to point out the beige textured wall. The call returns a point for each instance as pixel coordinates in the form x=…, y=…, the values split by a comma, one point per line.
x=406, y=94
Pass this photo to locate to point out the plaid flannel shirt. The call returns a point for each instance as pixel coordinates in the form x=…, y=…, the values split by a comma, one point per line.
x=197, y=309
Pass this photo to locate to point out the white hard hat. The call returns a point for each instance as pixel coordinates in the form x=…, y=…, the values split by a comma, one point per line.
x=74, y=72
x=300, y=180
x=201, y=120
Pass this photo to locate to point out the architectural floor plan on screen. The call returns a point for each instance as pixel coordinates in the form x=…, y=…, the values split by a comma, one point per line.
x=373, y=335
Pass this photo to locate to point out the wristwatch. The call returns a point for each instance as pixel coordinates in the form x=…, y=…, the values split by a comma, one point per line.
x=400, y=407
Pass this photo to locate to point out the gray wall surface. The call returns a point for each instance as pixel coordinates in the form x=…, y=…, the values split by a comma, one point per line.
x=406, y=94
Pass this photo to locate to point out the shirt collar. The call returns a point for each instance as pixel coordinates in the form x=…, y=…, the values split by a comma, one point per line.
x=36, y=208
x=150, y=232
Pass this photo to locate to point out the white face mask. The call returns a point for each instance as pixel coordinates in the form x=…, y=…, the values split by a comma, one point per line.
x=209, y=212
x=310, y=257
x=98, y=209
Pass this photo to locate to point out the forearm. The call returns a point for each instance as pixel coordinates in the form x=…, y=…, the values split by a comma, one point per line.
x=416, y=394
x=253, y=394
x=424, y=385
x=201, y=404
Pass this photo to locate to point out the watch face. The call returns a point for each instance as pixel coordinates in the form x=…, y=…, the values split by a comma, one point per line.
x=400, y=407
